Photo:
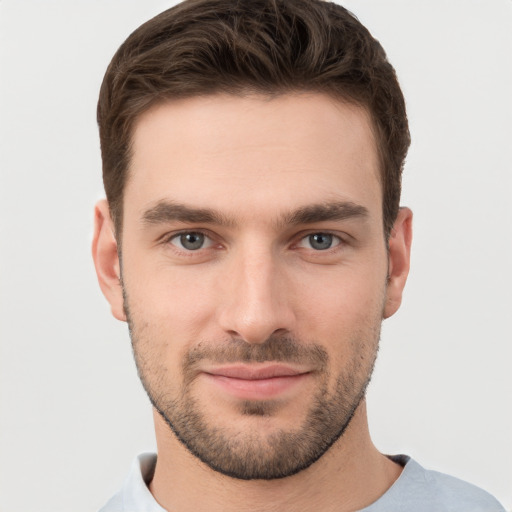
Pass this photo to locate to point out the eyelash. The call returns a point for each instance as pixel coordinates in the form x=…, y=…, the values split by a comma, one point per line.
x=167, y=240
x=341, y=241
x=338, y=240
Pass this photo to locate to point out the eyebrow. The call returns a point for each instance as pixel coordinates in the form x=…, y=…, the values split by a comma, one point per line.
x=169, y=211
x=341, y=210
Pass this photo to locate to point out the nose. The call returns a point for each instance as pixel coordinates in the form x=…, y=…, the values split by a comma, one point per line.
x=257, y=300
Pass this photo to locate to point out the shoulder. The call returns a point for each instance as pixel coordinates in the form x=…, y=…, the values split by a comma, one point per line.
x=114, y=504
x=134, y=494
x=460, y=495
x=422, y=490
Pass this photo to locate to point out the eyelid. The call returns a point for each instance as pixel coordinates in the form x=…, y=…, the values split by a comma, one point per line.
x=304, y=237
x=169, y=237
x=342, y=239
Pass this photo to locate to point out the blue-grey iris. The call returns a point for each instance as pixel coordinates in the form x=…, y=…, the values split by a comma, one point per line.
x=321, y=241
x=192, y=241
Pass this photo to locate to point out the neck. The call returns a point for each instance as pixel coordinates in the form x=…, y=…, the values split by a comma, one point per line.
x=351, y=475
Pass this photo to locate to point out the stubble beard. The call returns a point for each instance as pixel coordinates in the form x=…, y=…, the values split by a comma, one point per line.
x=249, y=455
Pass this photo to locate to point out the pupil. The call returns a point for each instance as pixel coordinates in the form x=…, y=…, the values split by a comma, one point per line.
x=192, y=241
x=320, y=241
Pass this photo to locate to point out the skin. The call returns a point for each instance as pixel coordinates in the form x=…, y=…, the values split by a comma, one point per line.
x=255, y=162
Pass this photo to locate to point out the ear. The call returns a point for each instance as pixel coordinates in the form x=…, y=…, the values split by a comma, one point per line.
x=106, y=259
x=399, y=255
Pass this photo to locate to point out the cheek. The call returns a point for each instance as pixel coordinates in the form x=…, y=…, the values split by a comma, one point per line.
x=175, y=303
x=351, y=329
x=343, y=300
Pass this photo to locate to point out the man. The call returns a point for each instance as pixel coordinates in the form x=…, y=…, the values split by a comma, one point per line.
x=252, y=239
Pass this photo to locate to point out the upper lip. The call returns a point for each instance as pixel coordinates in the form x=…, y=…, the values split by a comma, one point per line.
x=255, y=372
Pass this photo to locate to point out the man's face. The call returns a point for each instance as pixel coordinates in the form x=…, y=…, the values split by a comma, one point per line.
x=254, y=271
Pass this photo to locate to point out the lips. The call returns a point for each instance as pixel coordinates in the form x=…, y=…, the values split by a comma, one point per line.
x=247, y=372
x=256, y=382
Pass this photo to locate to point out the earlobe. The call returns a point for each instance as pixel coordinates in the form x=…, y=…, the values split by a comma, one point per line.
x=106, y=259
x=399, y=254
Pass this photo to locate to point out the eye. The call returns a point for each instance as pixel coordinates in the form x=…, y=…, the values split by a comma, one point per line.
x=191, y=241
x=319, y=241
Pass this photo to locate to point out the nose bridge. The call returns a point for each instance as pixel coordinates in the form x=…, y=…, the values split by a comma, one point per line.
x=256, y=304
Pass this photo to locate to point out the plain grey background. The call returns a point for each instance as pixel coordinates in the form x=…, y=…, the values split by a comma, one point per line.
x=72, y=411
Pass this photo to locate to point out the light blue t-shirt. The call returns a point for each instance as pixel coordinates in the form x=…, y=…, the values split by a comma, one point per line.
x=416, y=490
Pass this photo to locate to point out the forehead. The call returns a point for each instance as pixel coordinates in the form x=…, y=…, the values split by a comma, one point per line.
x=253, y=154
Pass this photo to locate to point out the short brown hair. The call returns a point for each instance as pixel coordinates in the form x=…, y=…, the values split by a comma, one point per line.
x=202, y=47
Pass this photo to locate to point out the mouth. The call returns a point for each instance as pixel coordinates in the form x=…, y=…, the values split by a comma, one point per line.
x=256, y=382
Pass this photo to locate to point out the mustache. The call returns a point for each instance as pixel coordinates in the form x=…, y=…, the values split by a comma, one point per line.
x=284, y=349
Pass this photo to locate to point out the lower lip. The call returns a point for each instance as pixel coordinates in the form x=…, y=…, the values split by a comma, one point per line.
x=260, y=389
